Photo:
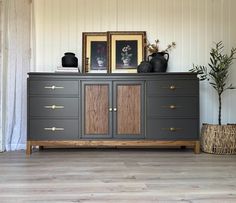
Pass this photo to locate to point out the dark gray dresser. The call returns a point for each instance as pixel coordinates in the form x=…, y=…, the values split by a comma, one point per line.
x=113, y=110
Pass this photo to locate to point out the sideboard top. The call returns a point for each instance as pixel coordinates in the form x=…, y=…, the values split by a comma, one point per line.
x=107, y=74
x=112, y=76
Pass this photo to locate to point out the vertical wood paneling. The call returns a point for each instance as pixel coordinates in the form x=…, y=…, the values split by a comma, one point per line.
x=56, y=42
x=193, y=24
x=129, y=109
x=48, y=34
x=96, y=110
x=232, y=13
x=202, y=48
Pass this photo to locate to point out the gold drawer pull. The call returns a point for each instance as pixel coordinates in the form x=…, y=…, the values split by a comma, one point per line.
x=172, y=87
x=170, y=107
x=53, y=87
x=54, y=107
x=54, y=129
x=172, y=129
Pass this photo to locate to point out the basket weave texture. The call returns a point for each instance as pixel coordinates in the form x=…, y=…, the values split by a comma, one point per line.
x=218, y=139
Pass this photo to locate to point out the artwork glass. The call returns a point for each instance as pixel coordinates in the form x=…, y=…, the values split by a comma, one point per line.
x=94, y=57
x=126, y=54
x=126, y=50
x=98, y=55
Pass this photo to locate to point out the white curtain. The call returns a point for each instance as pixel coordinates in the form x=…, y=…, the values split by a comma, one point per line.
x=1, y=74
x=17, y=67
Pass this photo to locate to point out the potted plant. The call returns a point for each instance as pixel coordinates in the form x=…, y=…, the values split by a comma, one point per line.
x=218, y=139
x=159, y=58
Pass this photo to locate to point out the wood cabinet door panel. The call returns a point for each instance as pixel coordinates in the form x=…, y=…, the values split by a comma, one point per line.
x=128, y=109
x=96, y=104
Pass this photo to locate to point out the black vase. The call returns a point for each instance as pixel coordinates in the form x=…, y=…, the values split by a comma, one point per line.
x=144, y=67
x=69, y=60
x=159, y=61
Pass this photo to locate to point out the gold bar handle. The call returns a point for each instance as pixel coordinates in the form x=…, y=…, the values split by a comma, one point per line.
x=54, y=129
x=54, y=107
x=172, y=87
x=53, y=87
x=172, y=129
x=170, y=106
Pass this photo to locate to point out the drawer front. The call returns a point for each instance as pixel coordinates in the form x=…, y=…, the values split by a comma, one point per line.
x=53, y=129
x=173, y=129
x=173, y=88
x=54, y=107
x=54, y=87
x=181, y=107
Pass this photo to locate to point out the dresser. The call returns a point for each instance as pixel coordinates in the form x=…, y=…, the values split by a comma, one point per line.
x=113, y=110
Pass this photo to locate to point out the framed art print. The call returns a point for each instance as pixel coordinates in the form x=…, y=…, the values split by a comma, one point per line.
x=94, y=57
x=125, y=51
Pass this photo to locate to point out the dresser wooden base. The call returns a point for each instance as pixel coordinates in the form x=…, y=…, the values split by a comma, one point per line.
x=114, y=143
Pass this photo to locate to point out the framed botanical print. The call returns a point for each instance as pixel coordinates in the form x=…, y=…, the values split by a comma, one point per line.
x=125, y=51
x=94, y=53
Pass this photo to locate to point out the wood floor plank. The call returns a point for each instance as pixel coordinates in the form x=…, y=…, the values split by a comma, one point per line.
x=117, y=175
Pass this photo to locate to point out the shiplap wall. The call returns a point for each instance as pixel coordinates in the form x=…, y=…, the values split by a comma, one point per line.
x=193, y=24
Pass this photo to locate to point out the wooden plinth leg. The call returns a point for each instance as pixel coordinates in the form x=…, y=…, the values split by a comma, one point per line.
x=29, y=148
x=40, y=148
x=197, y=147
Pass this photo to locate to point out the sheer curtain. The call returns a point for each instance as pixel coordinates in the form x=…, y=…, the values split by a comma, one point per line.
x=1, y=75
x=17, y=66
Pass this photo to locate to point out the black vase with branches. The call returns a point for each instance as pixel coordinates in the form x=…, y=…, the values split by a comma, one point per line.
x=218, y=72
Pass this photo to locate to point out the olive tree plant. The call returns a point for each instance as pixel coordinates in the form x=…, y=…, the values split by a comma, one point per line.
x=218, y=71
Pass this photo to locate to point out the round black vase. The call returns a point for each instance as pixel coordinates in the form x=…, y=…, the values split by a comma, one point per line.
x=69, y=60
x=159, y=61
x=144, y=67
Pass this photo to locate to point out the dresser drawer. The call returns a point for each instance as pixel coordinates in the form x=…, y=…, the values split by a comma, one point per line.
x=53, y=129
x=173, y=129
x=54, y=107
x=175, y=107
x=173, y=87
x=54, y=87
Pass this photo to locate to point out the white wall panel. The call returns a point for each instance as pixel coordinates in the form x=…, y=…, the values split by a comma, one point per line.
x=193, y=24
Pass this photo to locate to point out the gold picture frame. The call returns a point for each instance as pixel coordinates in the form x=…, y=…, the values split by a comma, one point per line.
x=94, y=52
x=126, y=49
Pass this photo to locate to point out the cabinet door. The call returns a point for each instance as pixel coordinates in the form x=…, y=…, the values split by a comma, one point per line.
x=96, y=109
x=128, y=109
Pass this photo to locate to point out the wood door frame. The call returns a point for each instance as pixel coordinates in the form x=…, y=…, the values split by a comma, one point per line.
x=142, y=113
x=82, y=115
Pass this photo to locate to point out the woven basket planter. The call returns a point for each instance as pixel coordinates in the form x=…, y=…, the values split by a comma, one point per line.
x=218, y=139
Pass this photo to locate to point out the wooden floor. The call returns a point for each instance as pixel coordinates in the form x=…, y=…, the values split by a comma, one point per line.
x=117, y=175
